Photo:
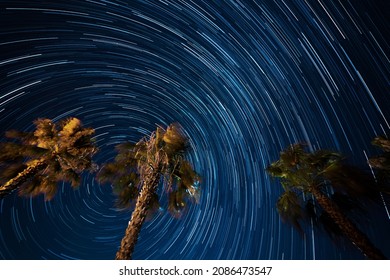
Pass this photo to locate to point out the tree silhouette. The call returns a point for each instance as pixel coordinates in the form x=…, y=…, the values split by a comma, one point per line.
x=137, y=172
x=309, y=178
x=34, y=162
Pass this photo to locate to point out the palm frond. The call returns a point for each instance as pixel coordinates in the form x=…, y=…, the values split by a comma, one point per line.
x=275, y=170
x=351, y=180
x=290, y=208
x=40, y=184
x=9, y=151
x=69, y=127
x=23, y=137
x=126, y=194
x=10, y=169
x=174, y=139
x=69, y=175
x=382, y=142
x=176, y=203
x=154, y=206
x=45, y=133
x=124, y=179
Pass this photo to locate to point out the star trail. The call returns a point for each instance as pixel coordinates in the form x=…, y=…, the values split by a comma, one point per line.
x=244, y=79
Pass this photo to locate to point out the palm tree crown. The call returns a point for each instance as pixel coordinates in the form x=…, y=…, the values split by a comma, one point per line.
x=163, y=153
x=35, y=161
x=137, y=171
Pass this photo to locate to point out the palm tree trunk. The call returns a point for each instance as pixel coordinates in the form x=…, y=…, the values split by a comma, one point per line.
x=358, y=238
x=149, y=186
x=32, y=168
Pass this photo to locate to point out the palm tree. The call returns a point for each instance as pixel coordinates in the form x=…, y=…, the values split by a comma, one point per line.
x=304, y=175
x=137, y=171
x=35, y=161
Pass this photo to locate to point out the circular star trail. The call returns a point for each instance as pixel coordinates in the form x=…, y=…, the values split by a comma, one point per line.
x=244, y=78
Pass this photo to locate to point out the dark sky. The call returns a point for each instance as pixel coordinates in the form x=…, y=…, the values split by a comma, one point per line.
x=244, y=78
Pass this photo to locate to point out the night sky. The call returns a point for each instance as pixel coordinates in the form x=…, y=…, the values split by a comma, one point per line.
x=244, y=78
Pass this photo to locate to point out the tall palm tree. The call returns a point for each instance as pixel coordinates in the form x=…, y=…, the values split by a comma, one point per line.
x=304, y=175
x=137, y=171
x=35, y=161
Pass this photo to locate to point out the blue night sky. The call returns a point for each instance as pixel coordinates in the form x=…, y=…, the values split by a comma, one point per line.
x=244, y=78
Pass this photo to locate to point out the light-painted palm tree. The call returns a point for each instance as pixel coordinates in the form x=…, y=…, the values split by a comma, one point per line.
x=137, y=172
x=34, y=162
x=303, y=174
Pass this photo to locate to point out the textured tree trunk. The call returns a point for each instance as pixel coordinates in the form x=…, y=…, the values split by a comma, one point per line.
x=358, y=238
x=149, y=186
x=31, y=169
